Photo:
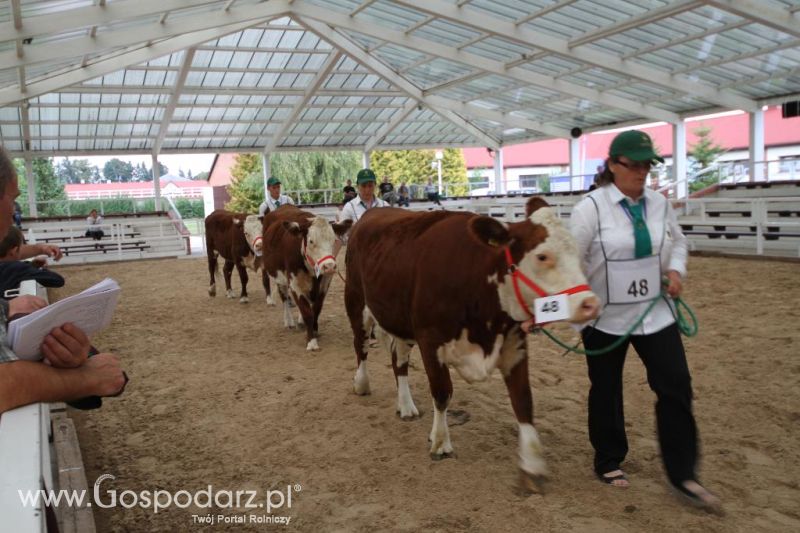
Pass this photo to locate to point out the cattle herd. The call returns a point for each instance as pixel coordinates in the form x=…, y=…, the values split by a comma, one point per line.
x=458, y=285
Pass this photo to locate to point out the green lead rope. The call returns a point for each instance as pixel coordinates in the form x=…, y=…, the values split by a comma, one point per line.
x=687, y=326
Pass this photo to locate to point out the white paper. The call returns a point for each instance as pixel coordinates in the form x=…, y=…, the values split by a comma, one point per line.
x=90, y=310
x=551, y=308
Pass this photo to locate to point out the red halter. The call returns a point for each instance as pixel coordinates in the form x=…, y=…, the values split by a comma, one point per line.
x=517, y=276
x=311, y=261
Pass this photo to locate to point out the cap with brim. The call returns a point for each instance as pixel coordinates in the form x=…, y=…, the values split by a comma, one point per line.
x=365, y=175
x=273, y=181
x=635, y=145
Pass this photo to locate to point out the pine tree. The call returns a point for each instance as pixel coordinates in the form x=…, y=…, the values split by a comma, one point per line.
x=247, y=184
x=704, y=153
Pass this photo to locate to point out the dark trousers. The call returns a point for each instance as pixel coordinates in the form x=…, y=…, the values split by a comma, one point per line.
x=668, y=375
x=95, y=234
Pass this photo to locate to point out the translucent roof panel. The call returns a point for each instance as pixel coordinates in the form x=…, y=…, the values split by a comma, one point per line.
x=200, y=74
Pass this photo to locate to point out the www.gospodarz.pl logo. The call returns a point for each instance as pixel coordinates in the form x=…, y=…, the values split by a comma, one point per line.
x=155, y=500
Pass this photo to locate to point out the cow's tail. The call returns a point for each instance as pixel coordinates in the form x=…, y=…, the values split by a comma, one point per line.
x=211, y=253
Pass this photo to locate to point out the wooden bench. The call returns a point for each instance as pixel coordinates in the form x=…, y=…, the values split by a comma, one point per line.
x=771, y=233
x=97, y=246
x=81, y=237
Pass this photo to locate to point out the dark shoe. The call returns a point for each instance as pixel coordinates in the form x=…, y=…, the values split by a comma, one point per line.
x=697, y=496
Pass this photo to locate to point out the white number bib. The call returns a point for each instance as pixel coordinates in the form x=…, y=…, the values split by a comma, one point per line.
x=633, y=281
x=551, y=308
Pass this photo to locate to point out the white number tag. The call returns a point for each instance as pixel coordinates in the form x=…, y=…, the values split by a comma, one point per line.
x=634, y=281
x=551, y=308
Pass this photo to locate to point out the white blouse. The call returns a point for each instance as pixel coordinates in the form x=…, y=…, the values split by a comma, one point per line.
x=92, y=221
x=269, y=202
x=618, y=242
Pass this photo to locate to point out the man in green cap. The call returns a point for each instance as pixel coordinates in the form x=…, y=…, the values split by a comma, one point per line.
x=366, y=199
x=274, y=197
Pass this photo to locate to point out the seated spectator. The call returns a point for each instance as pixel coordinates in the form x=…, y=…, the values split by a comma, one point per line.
x=403, y=198
x=67, y=373
x=387, y=191
x=432, y=192
x=349, y=191
x=13, y=271
x=95, y=221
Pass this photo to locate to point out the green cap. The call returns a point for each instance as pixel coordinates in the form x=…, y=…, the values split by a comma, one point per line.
x=365, y=175
x=635, y=145
x=273, y=181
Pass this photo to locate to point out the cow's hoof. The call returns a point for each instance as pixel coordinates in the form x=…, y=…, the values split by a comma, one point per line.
x=407, y=410
x=212, y=291
x=408, y=416
x=244, y=300
x=312, y=346
x=443, y=455
x=361, y=387
x=270, y=301
x=230, y=294
x=531, y=483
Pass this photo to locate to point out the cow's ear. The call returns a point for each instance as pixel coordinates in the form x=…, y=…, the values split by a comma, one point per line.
x=534, y=203
x=489, y=231
x=292, y=227
x=340, y=228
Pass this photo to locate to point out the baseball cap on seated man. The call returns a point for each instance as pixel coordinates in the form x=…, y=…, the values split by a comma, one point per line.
x=273, y=181
x=365, y=175
x=636, y=145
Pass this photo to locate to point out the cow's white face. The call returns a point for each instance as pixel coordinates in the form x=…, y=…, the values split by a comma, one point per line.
x=550, y=261
x=554, y=265
x=252, y=232
x=319, y=246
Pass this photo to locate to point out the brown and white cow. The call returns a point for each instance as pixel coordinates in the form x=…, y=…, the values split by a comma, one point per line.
x=253, y=232
x=297, y=253
x=443, y=280
x=225, y=237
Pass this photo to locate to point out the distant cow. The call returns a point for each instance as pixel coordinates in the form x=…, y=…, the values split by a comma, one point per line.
x=446, y=281
x=225, y=237
x=297, y=253
x=253, y=233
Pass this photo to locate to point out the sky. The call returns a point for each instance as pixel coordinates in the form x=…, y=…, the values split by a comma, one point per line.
x=196, y=162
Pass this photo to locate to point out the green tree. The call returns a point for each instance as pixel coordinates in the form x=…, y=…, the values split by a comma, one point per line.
x=116, y=170
x=247, y=185
x=75, y=171
x=704, y=153
x=141, y=173
x=51, y=198
x=302, y=172
x=202, y=176
x=414, y=166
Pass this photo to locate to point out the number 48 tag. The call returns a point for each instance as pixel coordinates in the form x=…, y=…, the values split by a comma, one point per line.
x=551, y=308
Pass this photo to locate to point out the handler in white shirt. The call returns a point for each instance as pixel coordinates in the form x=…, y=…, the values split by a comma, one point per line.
x=366, y=199
x=629, y=239
x=274, y=197
x=355, y=208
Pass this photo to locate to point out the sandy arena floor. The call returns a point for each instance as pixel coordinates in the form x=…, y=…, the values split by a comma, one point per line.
x=222, y=395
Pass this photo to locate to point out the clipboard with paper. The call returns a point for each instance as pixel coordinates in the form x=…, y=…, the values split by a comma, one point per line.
x=90, y=310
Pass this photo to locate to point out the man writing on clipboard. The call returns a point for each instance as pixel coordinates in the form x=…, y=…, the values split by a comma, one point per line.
x=68, y=374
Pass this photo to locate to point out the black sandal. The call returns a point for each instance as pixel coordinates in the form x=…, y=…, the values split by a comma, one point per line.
x=609, y=480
